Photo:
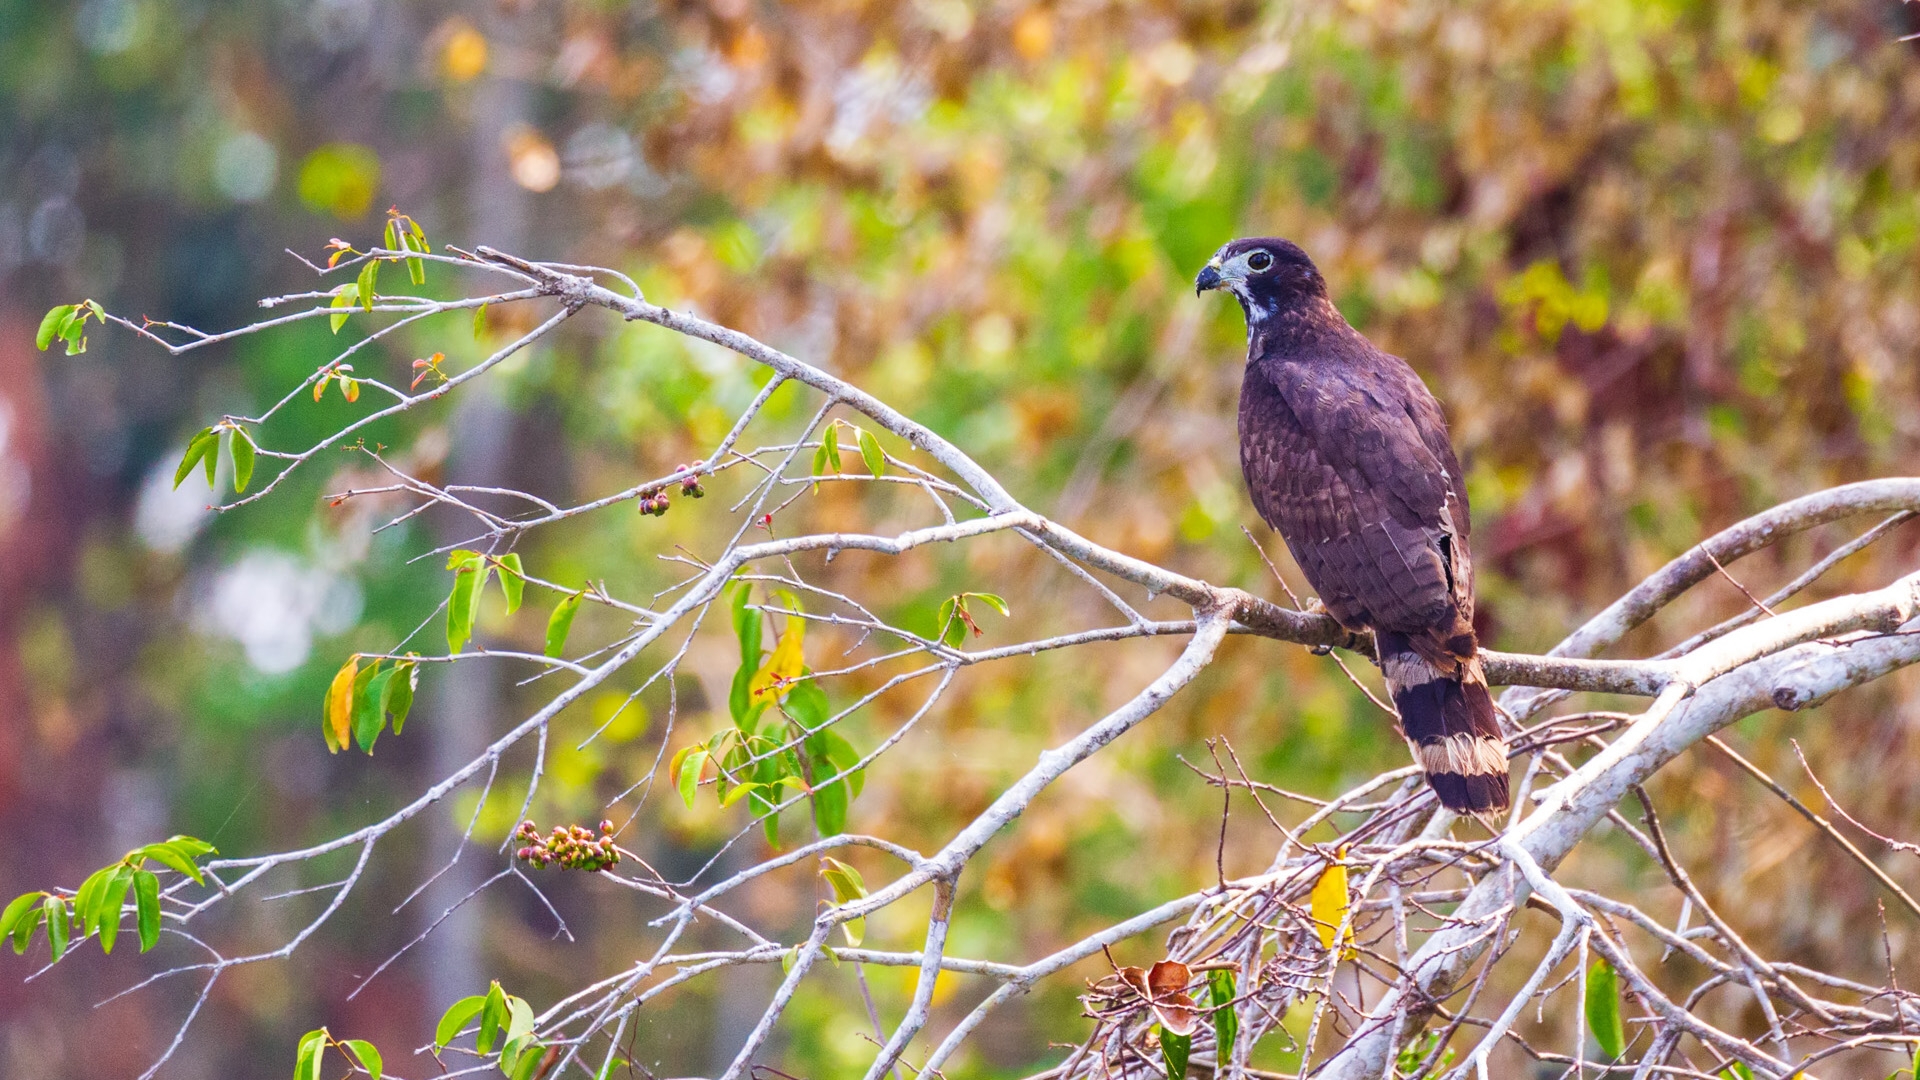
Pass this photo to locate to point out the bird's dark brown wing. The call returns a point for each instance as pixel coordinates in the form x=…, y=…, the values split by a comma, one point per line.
x=1431, y=424
x=1347, y=455
x=1338, y=459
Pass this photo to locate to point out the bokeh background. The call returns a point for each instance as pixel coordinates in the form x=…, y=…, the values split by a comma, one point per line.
x=1657, y=257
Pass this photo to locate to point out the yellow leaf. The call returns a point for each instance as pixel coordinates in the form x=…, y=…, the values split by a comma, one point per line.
x=339, y=718
x=1328, y=905
x=786, y=661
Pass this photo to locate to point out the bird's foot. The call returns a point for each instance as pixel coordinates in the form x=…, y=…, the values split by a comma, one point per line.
x=1313, y=606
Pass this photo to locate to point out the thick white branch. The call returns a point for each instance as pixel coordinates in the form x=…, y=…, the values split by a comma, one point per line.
x=1814, y=672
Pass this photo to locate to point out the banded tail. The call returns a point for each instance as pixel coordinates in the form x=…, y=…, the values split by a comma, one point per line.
x=1446, y=714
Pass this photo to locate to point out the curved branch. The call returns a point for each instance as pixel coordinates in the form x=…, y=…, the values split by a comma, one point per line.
x=1573, y=807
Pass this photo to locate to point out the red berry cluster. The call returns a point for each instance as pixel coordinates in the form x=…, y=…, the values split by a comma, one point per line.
x=690, y=485
x=573, y=848
x=654, y=501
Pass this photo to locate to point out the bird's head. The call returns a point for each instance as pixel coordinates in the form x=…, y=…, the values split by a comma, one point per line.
x=1266, y=274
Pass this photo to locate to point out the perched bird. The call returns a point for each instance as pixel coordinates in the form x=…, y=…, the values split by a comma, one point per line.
x=1346, y=453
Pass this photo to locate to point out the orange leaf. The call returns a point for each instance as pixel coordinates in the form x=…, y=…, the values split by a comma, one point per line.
x=1165, y=991
x=1167, y=985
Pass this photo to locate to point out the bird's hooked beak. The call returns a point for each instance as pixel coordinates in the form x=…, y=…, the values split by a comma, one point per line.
x=1209, y=278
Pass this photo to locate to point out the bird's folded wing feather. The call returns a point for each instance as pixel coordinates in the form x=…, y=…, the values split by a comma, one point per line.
x=1338, y=463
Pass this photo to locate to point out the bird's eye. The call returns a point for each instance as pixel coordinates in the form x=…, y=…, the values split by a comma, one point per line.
x=1259, y=261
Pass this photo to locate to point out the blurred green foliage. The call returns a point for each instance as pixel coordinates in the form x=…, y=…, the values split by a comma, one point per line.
x=1658, y=259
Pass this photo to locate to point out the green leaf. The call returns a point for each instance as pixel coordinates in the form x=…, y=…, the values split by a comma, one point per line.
x=1226, y=1024
x=527, y=1060
x=370, y=707
x=199, y=447
x=456, y=1017
x=17, y=910
x=479, y=321
x=491, y=1017
x=513, y=580
x=560, y=623
x=843, y=756
x=996, y=603
x=50, y=325
x=870, y=453
x=24, y=927
x=1603, y=1010
x=171, y=856
x=519, y=1018
x=953, y=626
x=363, y=703
x=1738, y=1070
x=306, y=1064
x=845, y=880
x=192, y=847
x=343, y=300
x=944, y=619
x=397, y=698
x=847, y=886
x=828, y=754
x=510, y=1055
x=146, y=907
x=688, y=765
x=606, y=1069
x=241, y=446
x=54, y=911
x=746, y=624
x=1176, y=1049
x=416, y=268
x=86, y=903
x=393, y=234
x=736, y=792
x=740, y=701
x=807, y=704
x=72, y=329
x=364, y=1052
x=369, y=278
x=830, y=445
x=112, y=899
x=830, y=808
x=470, y=572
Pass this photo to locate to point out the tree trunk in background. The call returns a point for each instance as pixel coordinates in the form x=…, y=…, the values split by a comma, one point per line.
x=466, y=710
